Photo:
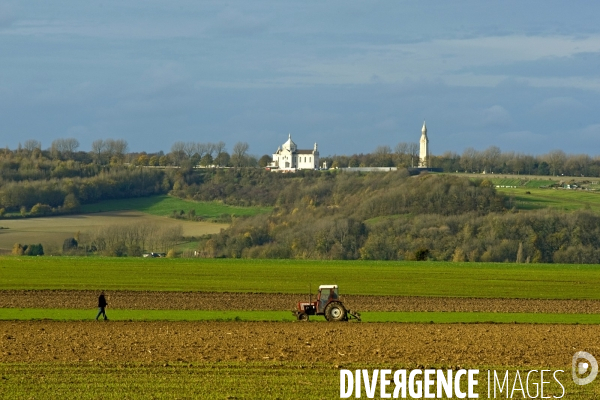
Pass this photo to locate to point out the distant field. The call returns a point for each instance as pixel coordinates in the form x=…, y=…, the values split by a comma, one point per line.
x=27, y=314
x=165, y=206
x=54, y=230
x=496, y=280
x=559, y=199
x=516, y=182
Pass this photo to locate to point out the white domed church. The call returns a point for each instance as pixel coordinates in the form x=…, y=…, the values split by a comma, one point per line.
x=289, y=158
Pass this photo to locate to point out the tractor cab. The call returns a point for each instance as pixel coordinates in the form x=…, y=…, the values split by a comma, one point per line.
x=327, y=294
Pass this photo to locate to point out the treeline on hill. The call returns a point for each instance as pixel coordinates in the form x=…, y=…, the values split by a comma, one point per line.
x=390, y=216
x=35, y=182
x=490, y=160
x=120, y=240
x=43, y=197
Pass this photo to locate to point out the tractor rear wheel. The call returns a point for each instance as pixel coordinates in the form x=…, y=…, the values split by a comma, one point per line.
x=335, y=312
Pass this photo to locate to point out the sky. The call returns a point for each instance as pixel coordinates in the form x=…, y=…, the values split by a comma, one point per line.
x=349, y=75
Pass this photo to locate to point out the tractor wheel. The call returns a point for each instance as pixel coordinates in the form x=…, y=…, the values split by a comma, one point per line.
x=336, y=312
x=302, y=317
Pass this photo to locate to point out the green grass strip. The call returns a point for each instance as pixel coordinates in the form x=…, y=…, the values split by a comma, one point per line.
x=57, y=314
x=486, y=280
x=27, y=314
x=165, y=205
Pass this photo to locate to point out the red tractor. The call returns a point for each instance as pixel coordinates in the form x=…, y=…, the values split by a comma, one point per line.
x=328, y=304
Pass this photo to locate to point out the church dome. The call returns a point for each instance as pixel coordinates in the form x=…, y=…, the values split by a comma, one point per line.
x=290, y=145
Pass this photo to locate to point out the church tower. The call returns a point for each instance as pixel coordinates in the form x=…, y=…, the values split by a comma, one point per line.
x=424, y=153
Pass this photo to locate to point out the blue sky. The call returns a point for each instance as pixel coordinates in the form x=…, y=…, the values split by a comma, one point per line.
x=350, y=75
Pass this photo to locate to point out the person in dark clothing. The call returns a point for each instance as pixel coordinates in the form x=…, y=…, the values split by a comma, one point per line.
x=101, y=306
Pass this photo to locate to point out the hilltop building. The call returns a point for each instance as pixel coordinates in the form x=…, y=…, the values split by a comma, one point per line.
x=424, y=153
x=289, y=158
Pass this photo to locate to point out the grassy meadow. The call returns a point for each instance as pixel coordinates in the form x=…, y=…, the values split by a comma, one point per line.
x=558, y=199
x=164, y=206
x=531, y=192
x=486, y=280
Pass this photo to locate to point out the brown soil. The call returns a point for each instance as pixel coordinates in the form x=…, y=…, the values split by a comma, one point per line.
x=83, y=299
x=390, y=343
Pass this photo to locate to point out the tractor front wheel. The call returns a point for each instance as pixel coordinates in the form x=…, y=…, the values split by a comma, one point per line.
x=335, y=312
x=302, y=317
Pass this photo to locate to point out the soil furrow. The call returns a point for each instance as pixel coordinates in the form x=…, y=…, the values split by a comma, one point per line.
x=390, y=343
x=84, y=299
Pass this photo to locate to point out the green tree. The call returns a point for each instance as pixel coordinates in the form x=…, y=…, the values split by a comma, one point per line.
x=41, y=209
x=71, y=203
x=265, y=160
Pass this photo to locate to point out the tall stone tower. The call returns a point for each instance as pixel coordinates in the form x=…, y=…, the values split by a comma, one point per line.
x=424, y=153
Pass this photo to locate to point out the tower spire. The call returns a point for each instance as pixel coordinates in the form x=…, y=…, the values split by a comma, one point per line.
x=424, y=148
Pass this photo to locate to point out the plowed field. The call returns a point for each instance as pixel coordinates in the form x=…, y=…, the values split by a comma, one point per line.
x=409, y=344
x=143, y=300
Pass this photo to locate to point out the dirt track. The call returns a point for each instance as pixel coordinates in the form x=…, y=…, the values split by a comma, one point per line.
x=82, y=299
x=407, y=344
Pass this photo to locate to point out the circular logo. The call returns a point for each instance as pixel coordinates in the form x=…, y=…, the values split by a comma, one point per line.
x=581, y=367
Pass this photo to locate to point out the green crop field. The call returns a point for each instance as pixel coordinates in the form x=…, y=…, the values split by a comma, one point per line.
x=559, y=199
x=59, y=314
x=258, y=380
x=499, y=280
x=165, y=205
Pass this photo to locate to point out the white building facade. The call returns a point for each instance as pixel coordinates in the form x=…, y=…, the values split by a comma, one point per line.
x=289, y=158
x=424, y=151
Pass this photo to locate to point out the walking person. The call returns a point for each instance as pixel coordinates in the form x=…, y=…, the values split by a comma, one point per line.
x=101, y=306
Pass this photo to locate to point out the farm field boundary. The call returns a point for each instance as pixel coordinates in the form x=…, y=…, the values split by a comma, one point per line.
x=228, y=301
x=259, y=380
x=165, y=206
x=61, y=314
x=436, y=279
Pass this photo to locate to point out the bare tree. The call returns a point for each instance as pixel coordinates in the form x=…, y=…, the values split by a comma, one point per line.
x=178, y=152
x=210, y=149
x=219, y=147
x=221, y=157
x=119, y=147
x=556, y=159
x=467, y=160
x=401, y=148
x=98, y=149
x=31, y=144
x=190, y=148
x=382, y=151
x=61, y=147
x=71, y=145
x=490, y=157
x=413, y=150
x=240, y=151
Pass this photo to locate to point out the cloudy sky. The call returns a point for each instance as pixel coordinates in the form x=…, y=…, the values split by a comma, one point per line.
x=350, y=75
